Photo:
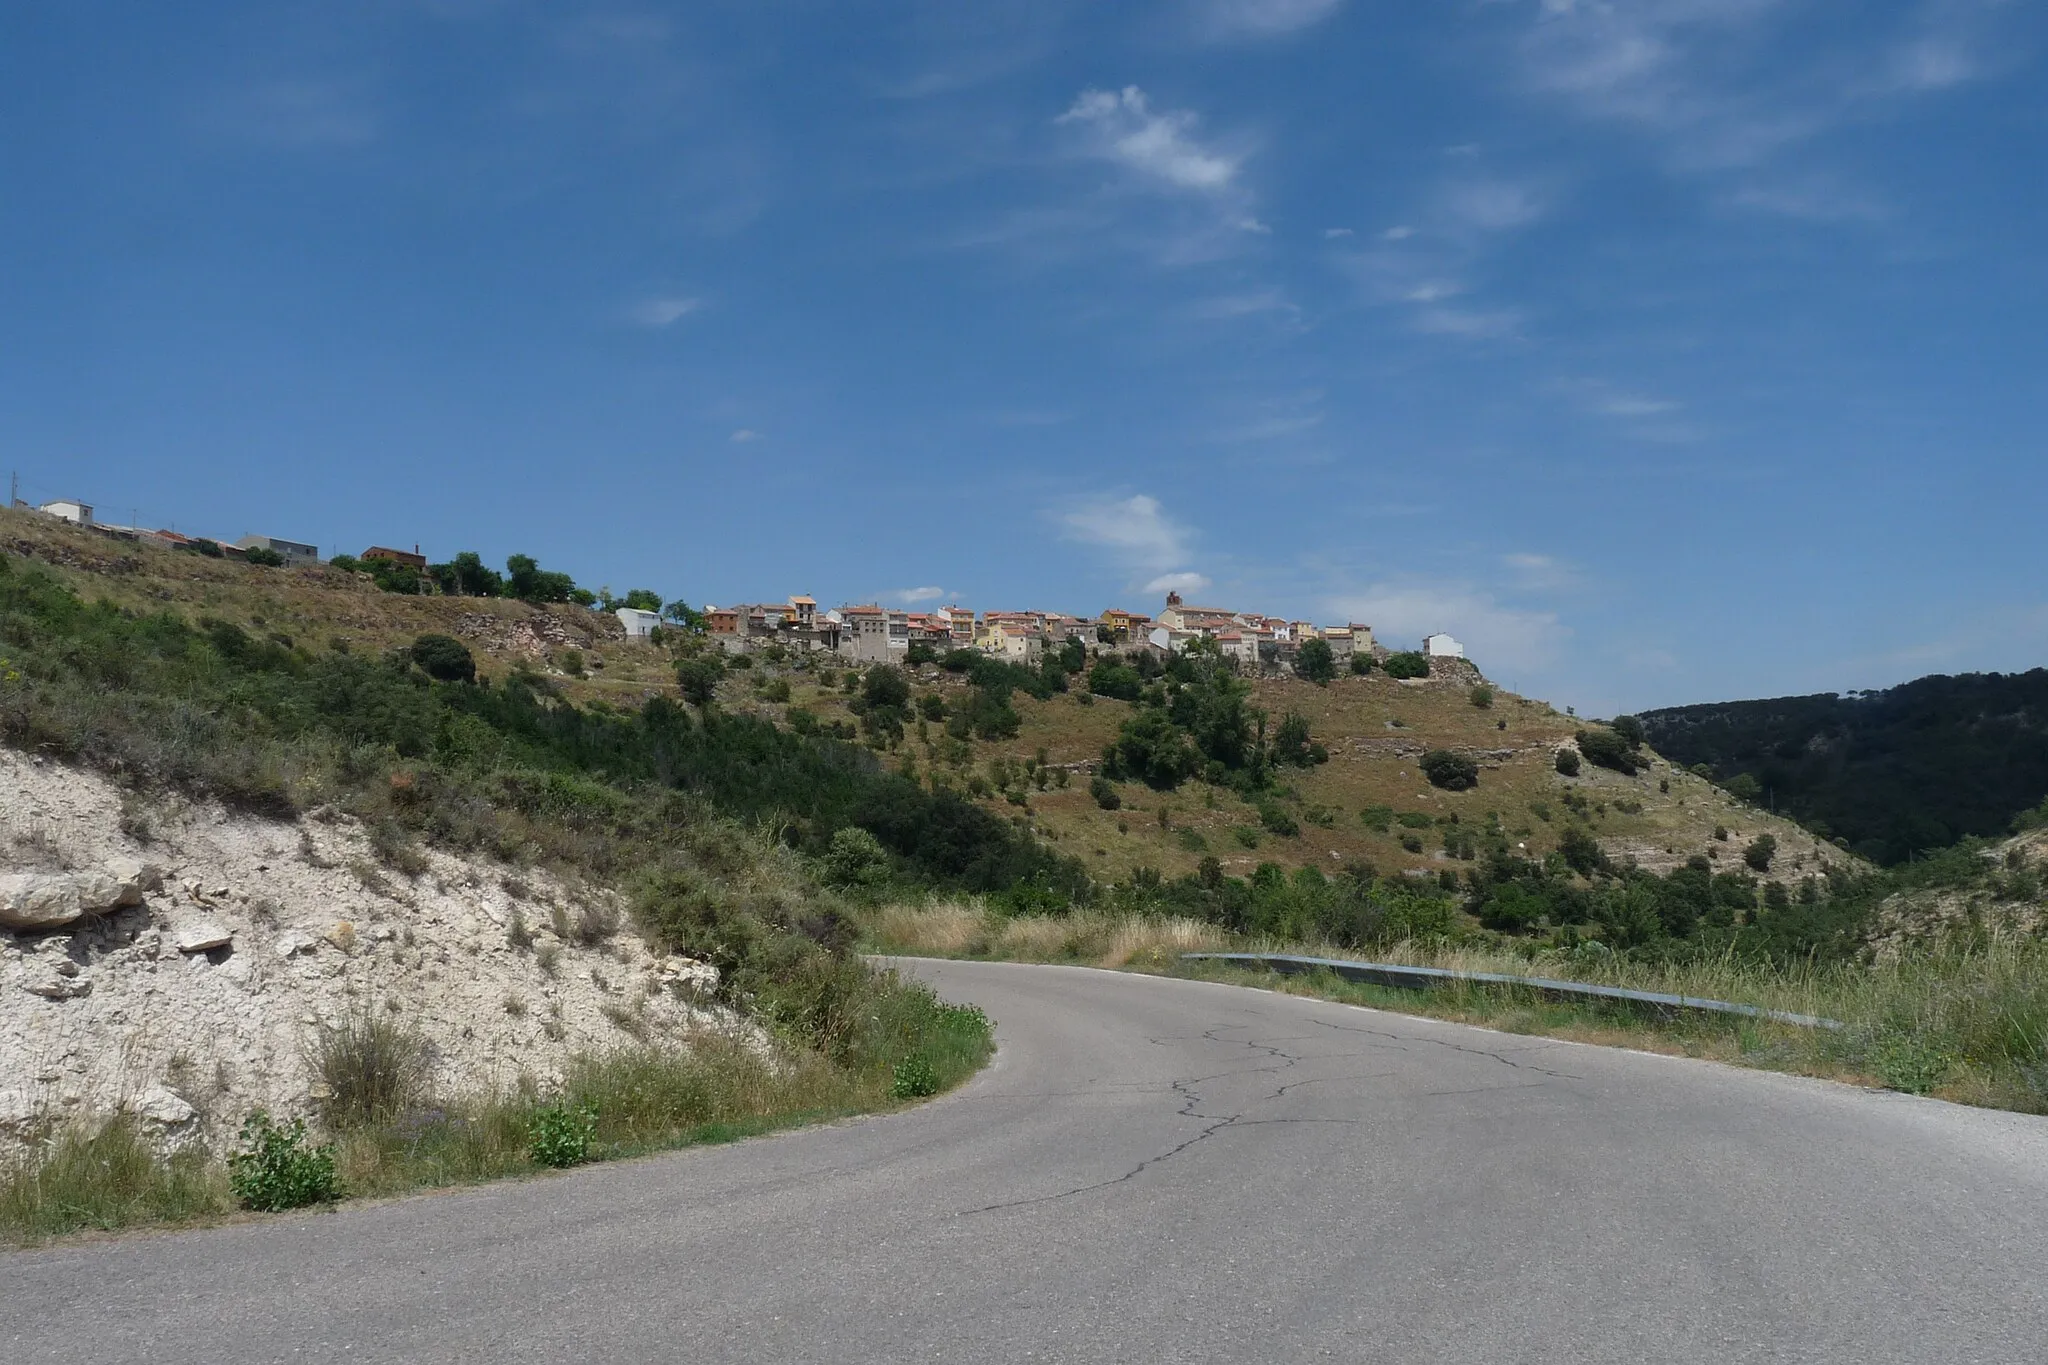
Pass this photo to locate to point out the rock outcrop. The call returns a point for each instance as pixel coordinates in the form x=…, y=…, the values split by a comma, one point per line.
x=31, y=901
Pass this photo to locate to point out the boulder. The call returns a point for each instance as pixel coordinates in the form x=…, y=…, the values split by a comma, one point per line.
x=32, y=901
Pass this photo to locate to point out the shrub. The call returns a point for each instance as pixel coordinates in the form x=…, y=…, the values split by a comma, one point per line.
x=372, y=1065
x=855, y=858
x=913, y=1078
x=1412, y=842
x=1361, y=664
x=276, y=1169
x=560, y=1136
x=1452, y=771
x=1481, y=696
x=1274, y=819
x=1104, y=793
x=1408, y=664
x=775, y=690
x=1761, y=850
x=444, y=657
x=1293, y=745
x=264, y=556
x=1631, y=731
x=1377, y=818
x=1608, y=749
x=1581, y=852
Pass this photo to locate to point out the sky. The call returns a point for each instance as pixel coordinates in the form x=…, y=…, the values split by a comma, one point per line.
x=1660, y=350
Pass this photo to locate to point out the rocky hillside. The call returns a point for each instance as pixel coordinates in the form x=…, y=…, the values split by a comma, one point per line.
x=179, y=961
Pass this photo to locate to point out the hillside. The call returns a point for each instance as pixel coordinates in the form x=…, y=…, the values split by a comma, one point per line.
x=1893, y=773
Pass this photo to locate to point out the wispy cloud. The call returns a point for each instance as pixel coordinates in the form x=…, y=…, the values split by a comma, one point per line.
x=744, y=436
x=307, y=113
x=1224, y=306
x=1540, y=573
x=661, y=312
x=1489, y=205
x=1121, y=126
x=911, y=597
x=1262, y=18
x=1476, y=324
x=1176, y=582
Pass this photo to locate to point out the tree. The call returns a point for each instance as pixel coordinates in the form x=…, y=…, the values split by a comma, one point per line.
x=1111, y=677
x=1361, y=663
x=642, y=599
x=855, y=858
x=680, y=613
x=1105, y=795
x=445, y=658
x=1292, y=743
x=466, y=575
x=1568, y=762
x=263, y=555
x=1408, y=664
x=1316, y=662
x=885, y=688
x=698, y=676
x=527, y=581
x=1761, y=850
x=1631, y=730
x=1581, y=852
x=1152, y=749
x=1481, y=696
x=1454, y=772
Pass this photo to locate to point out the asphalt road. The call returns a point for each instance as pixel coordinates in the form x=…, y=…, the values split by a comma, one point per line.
x=1159, y=1170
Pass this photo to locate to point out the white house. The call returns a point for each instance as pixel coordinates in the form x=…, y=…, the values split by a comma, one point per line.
x=1441, y=646
x=71, y=510
x=639, y=624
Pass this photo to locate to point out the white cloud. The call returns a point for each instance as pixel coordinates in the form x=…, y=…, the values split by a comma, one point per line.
x=296, y=113
x=1136, y=529
x=1338, y=232
x=1264, y=18
x=1242, y=305
x=1540, y=573
x=1176, y=582
x=1123, y=128
x=1400, y=232
x=1490, y=205
x=1497, y=636
x=1810, y=199
x=744, y=436
x=911, y=597
x=662, y=312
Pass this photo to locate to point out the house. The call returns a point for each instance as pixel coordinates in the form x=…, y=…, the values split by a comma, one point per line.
x=1018, y=644
x=1125, y=627
x=295, y=552
x=1441, y=646
x=1240, y=645
x=639, y=624
x=870, y=634
x=1201, y=620
x=414, y=560
x=721, y=620
x=804, y=611
x=1170, y=641
x=959, y=625
x=69, y=509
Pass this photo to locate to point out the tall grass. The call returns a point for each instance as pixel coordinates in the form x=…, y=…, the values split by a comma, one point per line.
x=106, y=1176
x=1964, y=1017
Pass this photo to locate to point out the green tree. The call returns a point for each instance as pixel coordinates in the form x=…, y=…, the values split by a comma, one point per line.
x=1631, y=730
x=444, y=657
x=1361, y=663
x=1408, y=664
x=264, y=556
x=1316, y=662
x=527, y=581
x=1568, y=762
x=1153, y=750
x=466, y=575
x=1105, y=794
x=1481, y=696
x=1761, y=850
x=641, y=599
x=698, y=676
x=1608, y=749
x=1293, y=745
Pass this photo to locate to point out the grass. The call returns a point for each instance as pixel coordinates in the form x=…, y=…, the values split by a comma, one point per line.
x=716, y=1087
x=1963, y=1017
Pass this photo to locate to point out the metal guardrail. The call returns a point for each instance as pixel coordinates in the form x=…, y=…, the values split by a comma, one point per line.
x=1422, y=978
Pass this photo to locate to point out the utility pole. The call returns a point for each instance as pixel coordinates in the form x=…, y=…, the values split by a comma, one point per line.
x=13, y=487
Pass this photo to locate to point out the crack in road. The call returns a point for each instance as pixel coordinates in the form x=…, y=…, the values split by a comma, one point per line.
x=1404, y=1038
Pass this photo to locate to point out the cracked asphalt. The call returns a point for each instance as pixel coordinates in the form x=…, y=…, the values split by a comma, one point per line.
x=1158, y=1170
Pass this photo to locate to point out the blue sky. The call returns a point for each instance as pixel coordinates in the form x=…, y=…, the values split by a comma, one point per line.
x=1662, y=351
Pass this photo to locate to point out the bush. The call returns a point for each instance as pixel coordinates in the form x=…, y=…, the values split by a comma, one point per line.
x=444, y=657
x=1631, y=731
x=560, y=1136
x=1451, y=771
x=913, y=1078
x=1104, y=793
x=1408, y=664
x=1607, y=749
x=1481, y=696
x=276, y=1169
x=264, y=556
x=1761, y=850
x=1293, y=745
x=775, y=690
x=1274, y=819
x=1361, y=664
x=855, y=858
x=1377, y=818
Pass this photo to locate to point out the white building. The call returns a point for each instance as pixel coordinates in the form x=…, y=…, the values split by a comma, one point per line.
x=1441, y=646
x=69, y=509
x=639, y=624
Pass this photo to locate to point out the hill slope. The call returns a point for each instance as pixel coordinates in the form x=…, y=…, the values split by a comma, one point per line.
x=1894, y=773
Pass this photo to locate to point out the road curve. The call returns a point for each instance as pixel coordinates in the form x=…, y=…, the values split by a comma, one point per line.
x=1158, y=1170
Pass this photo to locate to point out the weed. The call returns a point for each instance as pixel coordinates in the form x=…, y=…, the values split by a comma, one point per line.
x=276, y=1169
x=913, y=1078
x=560, y=1136
x=105, y=1177
x=517, y=933
x=548, y=957
x=373, y=1066
x=515, y=1005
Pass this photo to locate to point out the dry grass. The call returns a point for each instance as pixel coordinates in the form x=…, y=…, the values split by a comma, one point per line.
x=957, y=929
